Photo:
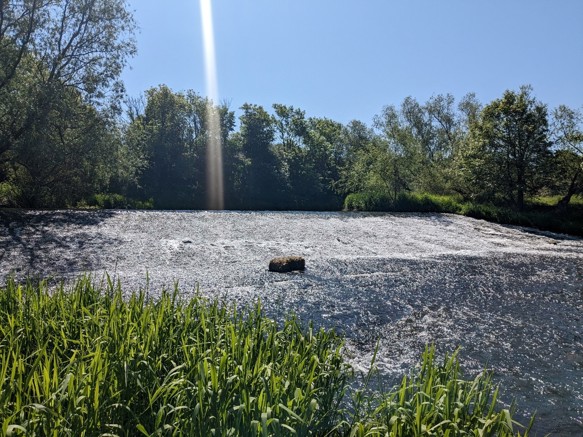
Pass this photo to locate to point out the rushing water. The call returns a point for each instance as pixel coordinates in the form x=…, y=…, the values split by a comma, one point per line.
x=511, y=298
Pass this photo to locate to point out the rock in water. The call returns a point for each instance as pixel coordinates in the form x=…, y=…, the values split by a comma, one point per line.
x=286, y=264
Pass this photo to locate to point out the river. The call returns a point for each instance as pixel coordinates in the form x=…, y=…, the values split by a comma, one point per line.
x=511, y=298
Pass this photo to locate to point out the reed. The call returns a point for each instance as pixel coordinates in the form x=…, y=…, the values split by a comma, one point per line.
x=88, y=360
x=435, y=400
x=540, y=212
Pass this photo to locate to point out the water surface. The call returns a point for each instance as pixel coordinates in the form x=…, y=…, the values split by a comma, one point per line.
x=510, y=297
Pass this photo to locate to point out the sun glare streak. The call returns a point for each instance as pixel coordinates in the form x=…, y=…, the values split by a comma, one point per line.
x=215, y=188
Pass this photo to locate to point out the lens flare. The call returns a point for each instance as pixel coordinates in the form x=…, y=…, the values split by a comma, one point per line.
x=214, y=164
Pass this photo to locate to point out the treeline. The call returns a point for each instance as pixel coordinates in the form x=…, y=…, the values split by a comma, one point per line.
x=66, y=141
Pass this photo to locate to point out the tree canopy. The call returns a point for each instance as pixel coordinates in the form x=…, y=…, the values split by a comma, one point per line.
x=69, y=136
x=59, y=89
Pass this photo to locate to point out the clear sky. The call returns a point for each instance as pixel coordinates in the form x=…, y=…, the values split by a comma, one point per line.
x=346, y=59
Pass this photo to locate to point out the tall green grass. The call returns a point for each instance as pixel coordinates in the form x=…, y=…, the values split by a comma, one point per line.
x=405, y=202
x=435, y=400
x=90, y=361
x=541, y=212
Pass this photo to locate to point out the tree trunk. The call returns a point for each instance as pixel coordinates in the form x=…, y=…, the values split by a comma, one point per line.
x=564, y=202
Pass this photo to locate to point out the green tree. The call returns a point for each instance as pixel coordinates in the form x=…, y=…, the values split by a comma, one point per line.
x=460, y=172
x=262, y=184
x=170, y=149
x=167, y=139
x=324, y=157
x=353, y=173
x=290, y=131
x=567, y=134
x=171, y=135
x=77, y=44
x=438, y=130
x=57, y=53
x=18, y=22
x=309, y=152
x=510, y=147
x=398, y=158
x=64, y=156
x=130, y=155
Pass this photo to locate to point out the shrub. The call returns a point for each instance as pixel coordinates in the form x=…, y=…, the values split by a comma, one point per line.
x=116, y=201
x=539, y=215
x=367, y=201
x=405, y=202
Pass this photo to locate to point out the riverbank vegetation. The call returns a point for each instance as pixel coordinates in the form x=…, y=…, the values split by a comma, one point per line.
x=93, y=360
x=538, y=212
x=70, y=137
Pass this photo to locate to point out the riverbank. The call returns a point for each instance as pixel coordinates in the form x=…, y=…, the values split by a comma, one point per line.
x=541, y=213
x=95, y=359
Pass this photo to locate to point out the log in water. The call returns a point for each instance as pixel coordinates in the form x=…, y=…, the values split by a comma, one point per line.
x=510, y=297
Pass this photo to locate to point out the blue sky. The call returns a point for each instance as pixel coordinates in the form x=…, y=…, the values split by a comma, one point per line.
x=346, y=59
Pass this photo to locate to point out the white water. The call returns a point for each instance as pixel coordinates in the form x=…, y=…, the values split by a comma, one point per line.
x=512, y=299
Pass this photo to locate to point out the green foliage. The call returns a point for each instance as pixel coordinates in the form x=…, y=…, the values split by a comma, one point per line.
x=8, y=194
x=115, y=201
x=67, y=154
x=90, y=360
x=510, y=147
x=550, y=201
x=262, y=185
x=170, y=136
x=540, y=212
x=367, y=201
x=415, y=147
x=59, y=65
x=567, y=166
x=405, y=202
x=436, y=401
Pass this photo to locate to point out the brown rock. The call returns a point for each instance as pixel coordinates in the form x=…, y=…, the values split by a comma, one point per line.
x=286, y=264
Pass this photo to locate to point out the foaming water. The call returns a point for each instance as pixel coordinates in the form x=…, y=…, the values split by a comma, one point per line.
x=510, y=298
x=215, y=187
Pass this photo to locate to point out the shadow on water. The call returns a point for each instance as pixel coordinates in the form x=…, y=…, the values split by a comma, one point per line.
x=541, y=233
x=53, y=244
x=512, y=301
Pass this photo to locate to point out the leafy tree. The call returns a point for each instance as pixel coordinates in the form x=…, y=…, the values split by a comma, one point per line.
x=324, y=156
x=398, y=158
x=459, y=172
x=353, y=173
x=56, y=53
x=439, y=130
x=510, y=147
x=172, y=136
x=290, y=131
x=567, y=133
x=169, y=177
x=18, y=22
x=78, y=44
x=262, y=184
x=65, y=156
x=131, y=158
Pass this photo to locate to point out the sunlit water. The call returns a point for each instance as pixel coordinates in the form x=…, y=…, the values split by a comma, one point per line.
x=511, y=298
